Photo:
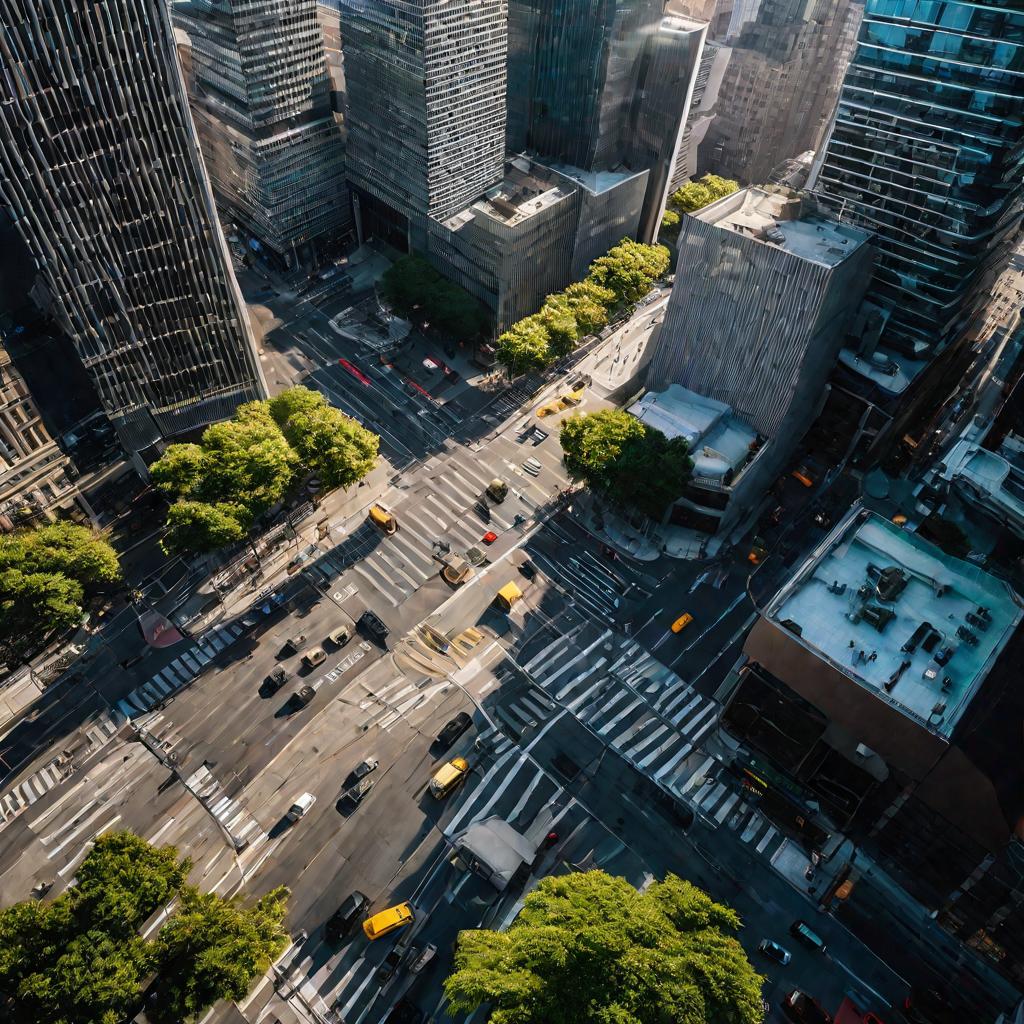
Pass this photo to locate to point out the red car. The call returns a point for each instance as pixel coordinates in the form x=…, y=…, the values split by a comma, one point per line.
x=355, y=371
x=489, y=537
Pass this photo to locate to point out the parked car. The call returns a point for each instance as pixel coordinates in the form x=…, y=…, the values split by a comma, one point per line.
x=454, y=729
x=373, y=626
x=343, y=920
x=803, y=933
x=489, y=537
x=387, y=921
x=800, y=1007
x=475, y=556
x=276, y=679
x=296, y=643
x=300, y=698
x=448, y=776
x=527, y=569
x=456, y=571
x=340, y=636
x=301, y=807
x=682, y=622
x=774, y=951
x=315, y=656
x=367, y=765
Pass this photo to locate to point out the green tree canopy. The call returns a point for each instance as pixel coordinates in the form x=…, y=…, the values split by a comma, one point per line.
x=629, y=269
x=78, y=959
x=670, y=222
x=417, y=291
x=588, y=947
x=247, y=464
x=525, y=346
x=294, y=401
x=214, y=948
x=632, y=465
x=45, y=576
x=559, y=320
x=697, y=194
x=197, y=526
x=338, y=449
x=589, y=303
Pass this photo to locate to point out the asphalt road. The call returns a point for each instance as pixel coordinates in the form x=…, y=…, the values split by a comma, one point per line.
x=581, y=726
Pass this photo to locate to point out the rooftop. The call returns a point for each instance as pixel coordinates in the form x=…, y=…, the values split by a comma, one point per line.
x=898, y=616
x=719, y=441
x=596, y=182
x=780, y=218
x=528, y=188
x=999, y=476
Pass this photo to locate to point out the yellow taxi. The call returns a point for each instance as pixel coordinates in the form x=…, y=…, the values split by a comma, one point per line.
x=682, y=622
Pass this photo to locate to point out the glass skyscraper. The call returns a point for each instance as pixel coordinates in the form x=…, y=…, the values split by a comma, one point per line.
x=926, y=152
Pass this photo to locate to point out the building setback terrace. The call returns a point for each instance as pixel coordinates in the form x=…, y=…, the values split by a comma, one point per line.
x=901, y=618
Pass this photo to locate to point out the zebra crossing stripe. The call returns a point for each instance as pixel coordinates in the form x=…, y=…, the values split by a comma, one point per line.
x=766, y=840
x=126, y=709
x=701, y=772
x=713, y=797
x=753, y=827
x=730, y=802
x=191, y=663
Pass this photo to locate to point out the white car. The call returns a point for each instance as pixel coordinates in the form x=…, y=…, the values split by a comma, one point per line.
x=301, y=807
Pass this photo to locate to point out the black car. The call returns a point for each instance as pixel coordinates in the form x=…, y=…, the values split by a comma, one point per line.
x=353, y=796
x=372, y=625
x=528, y=569
x=483, y=511
x=300, y=698
x=344, y=919
x=276, y=680
x=454, y=729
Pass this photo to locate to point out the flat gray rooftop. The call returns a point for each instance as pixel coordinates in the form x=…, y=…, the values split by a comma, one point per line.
x=778, y=219
x=936, y=592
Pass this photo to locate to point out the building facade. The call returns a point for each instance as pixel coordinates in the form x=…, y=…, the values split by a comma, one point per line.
x=783, y=70
x=602, y=85
x=925, y=152
x=36, y=477
x=879, y=707
x=758, y=317
x=261, y=100
x=102, y=177
x=425, y=90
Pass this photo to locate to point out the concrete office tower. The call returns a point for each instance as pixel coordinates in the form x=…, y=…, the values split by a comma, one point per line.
x=925, y=152
x=101, y=174
x=602, y=85
x=35, y=475
x=710, y=70
x=758, y=316
x=425, y=87
x=261, y=100
x=783, y=72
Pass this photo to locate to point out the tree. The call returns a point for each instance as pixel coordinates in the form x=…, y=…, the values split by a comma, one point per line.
x=338, y=449
x=697, y=194
x=589, y=303
x=79, y=959
x=670, y=223
x=560, y=322
x=294, y=401
x=415, y=290
x=588, y=947
x=123, y=880
x=179, y=471
x=213, y=948
x=198, y=526
x=524, y=346
x=629, y=269
x=631, y=464
x=45, y=576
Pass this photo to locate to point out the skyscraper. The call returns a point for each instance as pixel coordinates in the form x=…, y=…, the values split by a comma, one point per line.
x=425, y=86
x=925, y=152
x=260, y=94
x=782, y=72
x=101, y=174
x=602, y=85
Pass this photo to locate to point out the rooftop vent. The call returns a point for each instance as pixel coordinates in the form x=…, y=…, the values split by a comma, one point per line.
x=892, y=581
x=878, y=617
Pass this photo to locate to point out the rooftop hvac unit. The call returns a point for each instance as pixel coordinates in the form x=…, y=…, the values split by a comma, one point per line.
x=878, y=617
x=892, y=581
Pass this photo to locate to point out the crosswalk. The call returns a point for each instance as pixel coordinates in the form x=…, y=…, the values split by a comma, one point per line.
x=514, y=788
x=106, y=723
x=641, y=709
x=236, y=820
x=716, y=798
x=179, y=672
x=399, y=565
x=400, y=697
x=587, y=584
